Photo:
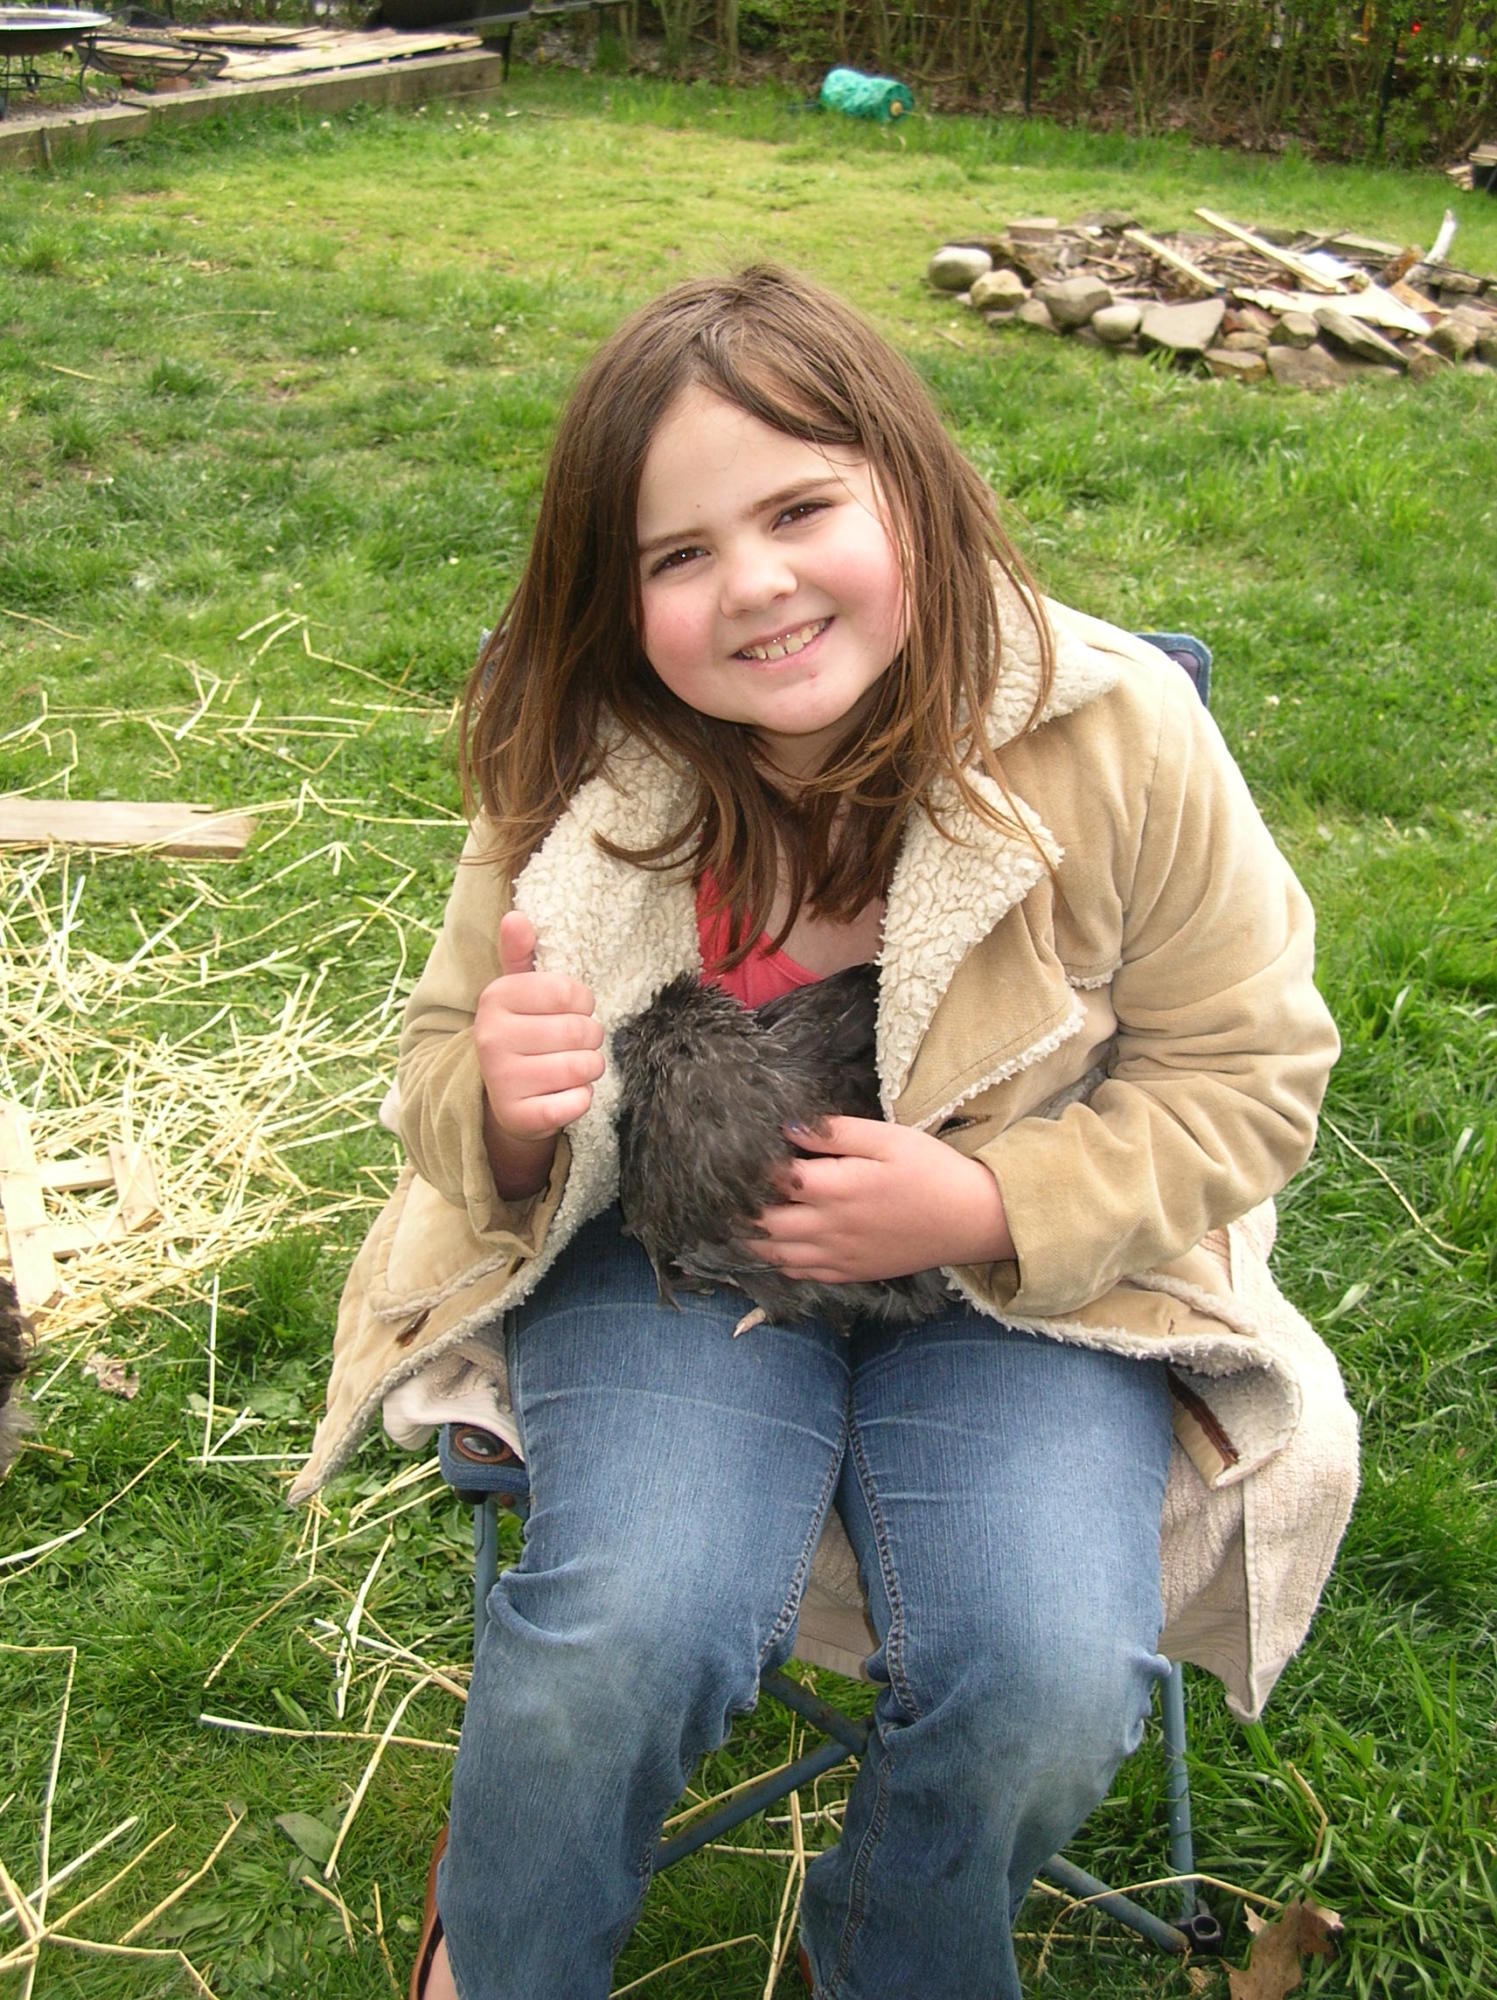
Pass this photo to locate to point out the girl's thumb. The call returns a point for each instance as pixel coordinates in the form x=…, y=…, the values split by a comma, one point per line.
x=516, y=943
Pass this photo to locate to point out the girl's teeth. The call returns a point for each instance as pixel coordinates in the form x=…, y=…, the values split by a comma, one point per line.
x=793, y=642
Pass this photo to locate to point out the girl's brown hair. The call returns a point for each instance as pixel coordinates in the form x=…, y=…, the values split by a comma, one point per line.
x=564, y=670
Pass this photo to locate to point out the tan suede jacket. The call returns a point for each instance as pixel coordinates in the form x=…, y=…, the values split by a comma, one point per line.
x=1134, y=1045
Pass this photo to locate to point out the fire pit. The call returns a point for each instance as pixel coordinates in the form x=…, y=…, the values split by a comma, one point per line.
x=29, y=32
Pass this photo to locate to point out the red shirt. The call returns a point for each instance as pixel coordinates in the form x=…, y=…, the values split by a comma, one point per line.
x=763, y=975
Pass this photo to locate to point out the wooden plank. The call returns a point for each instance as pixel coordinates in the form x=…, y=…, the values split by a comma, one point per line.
x=1310, y=279
x=74, y=1239
x=76, y=1174
x=247, y=35
x=1174, y=260
x=135, y=1178
x=1350, y=244
x=169, y=829
x=32, y=1270
x=1416, y=301
x=348, y=51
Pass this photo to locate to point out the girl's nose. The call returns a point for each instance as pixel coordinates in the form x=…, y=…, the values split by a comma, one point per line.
x=754, y=574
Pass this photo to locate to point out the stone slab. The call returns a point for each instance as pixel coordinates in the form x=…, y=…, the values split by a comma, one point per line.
x=1236, y=364
x=1365, y=342
x=1117, y=324
x=1182, y=329
x=1035, y=313
x=1305, y=368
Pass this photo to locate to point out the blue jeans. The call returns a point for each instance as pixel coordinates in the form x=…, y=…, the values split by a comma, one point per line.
x=1003, y=1494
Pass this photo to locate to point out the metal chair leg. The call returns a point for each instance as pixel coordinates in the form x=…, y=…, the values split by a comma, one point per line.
x=1194, y=1929
x=1195, y=1918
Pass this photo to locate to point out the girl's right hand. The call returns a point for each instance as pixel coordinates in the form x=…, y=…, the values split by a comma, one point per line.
x=540, y=1048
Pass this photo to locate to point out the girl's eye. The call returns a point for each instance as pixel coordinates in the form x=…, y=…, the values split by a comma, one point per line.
x=802, y=510
x=673, y=559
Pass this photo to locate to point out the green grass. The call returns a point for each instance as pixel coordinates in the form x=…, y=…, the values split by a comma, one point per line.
x=310, y=366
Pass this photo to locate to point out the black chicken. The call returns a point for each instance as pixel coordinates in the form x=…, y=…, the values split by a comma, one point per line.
x=707, y=1087
x=13, y=1348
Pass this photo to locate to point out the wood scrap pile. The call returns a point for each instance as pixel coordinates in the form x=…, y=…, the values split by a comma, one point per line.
x=1477, y=170
x=1308, y=310
x=256, y=52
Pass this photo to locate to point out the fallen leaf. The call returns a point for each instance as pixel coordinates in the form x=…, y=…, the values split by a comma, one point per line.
x=112, y=1376
x=313, y=1837
x=1303, y=1929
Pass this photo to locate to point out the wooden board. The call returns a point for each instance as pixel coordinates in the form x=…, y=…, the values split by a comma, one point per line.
x=33, y=1271
x=333, y=51
x=1175, y=262
x=1310, y=278
x=248, y=35
x=31, y=1242
x=168, y=829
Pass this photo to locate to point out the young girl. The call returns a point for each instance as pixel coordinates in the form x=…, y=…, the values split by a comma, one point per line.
x=775, y=697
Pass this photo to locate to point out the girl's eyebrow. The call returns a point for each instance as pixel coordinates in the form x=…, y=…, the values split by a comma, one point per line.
x=771, y=501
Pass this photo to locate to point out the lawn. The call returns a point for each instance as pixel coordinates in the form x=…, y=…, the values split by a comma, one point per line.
x=274, y=406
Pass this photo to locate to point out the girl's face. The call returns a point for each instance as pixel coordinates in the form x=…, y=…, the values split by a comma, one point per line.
x=770, y=581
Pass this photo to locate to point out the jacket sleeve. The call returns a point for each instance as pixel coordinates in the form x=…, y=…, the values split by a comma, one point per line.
x=1221, y=1052
x=441, y=1088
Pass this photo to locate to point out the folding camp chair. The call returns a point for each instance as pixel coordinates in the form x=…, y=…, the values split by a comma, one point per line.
x=487, y=1473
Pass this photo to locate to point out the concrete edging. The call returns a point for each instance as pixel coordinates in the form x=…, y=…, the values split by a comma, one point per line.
x=38, y=140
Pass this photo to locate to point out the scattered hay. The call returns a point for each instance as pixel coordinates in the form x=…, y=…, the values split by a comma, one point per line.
x=29, y=1912
x=193, y=1051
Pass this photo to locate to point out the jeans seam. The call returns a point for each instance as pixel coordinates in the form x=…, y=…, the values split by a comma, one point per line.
x=893, y=1658
x=894, y=1642
x=791, y=1606
x=857, y=1888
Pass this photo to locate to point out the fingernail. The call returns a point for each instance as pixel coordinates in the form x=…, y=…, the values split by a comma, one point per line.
x=798, y=1130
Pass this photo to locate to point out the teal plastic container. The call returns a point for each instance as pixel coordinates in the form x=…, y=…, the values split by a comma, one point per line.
x=858, y=96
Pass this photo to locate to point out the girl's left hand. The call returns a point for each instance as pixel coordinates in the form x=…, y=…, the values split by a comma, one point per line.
x=879, y=1200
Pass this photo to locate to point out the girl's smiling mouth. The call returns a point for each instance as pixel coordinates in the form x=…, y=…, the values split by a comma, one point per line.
x=786, y=645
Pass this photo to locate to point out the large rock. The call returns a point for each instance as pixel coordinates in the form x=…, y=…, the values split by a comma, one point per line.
x=1184, y=330
x=1240, y=364
x=1305, y=368
x=999, y=291
x=1457, y=284
x=1117, y=324
x=1248, y=319
x=1245, y=340
x=1072, y=301
x=1358, y=338
x=1035, y=313
x=1486, y=347
x=1425, y=360
x=1455, y=338
x=1032, y=261
x=1294, y=329
x=958, y=265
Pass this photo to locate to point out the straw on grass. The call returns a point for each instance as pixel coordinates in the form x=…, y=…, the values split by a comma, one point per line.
x=221, y=1103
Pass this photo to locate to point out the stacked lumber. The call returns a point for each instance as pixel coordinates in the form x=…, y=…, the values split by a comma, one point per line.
x=1477, y=170
x=1310, y=309
x=254, y=52
x=314, y=49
